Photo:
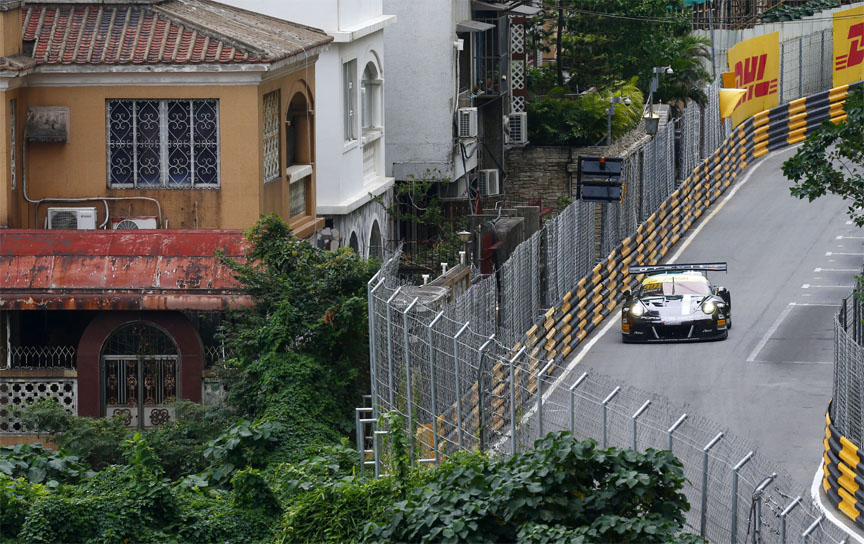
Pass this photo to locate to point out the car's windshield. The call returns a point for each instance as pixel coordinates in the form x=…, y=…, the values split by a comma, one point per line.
x=674, y=284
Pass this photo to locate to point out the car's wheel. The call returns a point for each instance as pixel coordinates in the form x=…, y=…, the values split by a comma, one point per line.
x=728, y=322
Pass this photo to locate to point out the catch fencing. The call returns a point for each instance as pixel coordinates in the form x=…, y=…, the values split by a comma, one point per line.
x=491, y=374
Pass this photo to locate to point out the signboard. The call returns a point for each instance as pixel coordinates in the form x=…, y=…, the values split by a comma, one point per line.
x=598, y=179
x=848, y=46
x=756, y=63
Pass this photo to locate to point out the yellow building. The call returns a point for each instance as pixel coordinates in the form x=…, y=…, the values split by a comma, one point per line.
x=189, y=111
x=188, y=119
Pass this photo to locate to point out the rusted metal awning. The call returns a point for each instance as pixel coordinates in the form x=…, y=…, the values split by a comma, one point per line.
x=119, y=270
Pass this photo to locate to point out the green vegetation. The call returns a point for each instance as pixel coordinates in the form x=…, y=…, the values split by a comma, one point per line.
x=790, y=13
x=600, y=45
x=830, y=160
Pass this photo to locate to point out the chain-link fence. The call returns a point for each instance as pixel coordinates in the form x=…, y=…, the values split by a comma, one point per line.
x=805, y=65
x=460, y=389
x=848, y=403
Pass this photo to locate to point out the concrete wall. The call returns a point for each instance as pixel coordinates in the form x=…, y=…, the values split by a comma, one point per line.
x=420, y=96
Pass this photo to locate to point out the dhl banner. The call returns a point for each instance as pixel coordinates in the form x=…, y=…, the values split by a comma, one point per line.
x=756, y=63
x=848, y=46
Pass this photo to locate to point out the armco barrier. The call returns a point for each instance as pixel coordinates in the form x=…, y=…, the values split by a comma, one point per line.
x=564, y=326
x=842, y=466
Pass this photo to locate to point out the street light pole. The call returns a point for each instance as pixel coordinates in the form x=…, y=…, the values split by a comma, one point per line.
x=610, y=113
x=651, y=123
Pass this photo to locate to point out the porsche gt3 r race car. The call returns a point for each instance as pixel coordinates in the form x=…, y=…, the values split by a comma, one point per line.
x=676, y=302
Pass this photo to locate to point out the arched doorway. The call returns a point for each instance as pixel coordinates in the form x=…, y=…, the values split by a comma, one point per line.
x=376, y=244
x=140, y=371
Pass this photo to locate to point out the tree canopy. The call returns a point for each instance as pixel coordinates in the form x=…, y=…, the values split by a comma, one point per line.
x=831, y=160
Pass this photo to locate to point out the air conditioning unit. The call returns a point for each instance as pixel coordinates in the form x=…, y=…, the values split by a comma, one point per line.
x=466, y=119
x=489, y=183
x=133, y=223
x=517, y=128
x=71, y=218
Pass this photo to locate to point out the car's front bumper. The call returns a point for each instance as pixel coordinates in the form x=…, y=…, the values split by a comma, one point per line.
x=703, y=329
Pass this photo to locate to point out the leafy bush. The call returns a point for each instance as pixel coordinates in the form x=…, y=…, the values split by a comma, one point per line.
x=38, y=465
x=599, y=495
x=558, y=119
x=17, y=495
x=245, y=444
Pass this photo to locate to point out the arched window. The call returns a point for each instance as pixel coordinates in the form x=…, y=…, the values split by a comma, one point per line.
x=353, y=243
x=298, y=132
x=370, y=90
x=376, y=243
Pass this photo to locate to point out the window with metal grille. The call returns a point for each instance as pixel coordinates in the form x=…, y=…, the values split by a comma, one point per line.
x=271, y=136
x=163, y=143
x=349, y=80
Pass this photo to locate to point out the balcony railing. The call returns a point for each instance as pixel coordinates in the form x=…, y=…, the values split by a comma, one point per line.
x=25, y=357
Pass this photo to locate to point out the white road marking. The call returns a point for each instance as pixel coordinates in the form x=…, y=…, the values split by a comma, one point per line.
x=793, y=362
x=770, y=333
x=805, y=286
x=828, y=254
x=846, y=253
x=848, y=222
x=817, y=270
x=839, y=237
x=836, y=270
x=850, y=237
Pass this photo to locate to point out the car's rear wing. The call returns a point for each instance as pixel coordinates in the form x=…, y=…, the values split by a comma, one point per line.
x=702, y=267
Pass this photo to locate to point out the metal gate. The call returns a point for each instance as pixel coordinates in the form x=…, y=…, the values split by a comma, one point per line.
x=140, y=376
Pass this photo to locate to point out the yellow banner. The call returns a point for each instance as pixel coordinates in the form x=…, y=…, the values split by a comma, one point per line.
x=848, y=46
x=756, y=63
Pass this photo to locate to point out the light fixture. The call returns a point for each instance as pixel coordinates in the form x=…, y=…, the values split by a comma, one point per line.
x=464, y=235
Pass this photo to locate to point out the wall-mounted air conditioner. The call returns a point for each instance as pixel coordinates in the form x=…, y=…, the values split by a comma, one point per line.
x=48, y=124
x=516, y=129
x=133, y=223
x=71, y=218
x=489, y=183
x=466, y=119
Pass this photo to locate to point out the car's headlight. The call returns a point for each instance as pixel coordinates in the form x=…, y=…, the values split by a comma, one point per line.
x=637, y=310
x=708, y=307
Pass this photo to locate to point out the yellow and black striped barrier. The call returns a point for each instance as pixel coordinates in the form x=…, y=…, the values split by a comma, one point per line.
x=842, y=465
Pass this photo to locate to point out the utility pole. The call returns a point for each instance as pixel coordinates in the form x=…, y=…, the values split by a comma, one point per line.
x=558, y=40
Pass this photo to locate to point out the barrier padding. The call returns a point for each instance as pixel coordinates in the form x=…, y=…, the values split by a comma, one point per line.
x=842, y=465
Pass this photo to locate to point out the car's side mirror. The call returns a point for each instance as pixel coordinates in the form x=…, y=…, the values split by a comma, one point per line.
x=723, y=293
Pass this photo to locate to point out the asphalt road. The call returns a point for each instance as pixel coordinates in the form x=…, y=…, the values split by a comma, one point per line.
x=790, y=264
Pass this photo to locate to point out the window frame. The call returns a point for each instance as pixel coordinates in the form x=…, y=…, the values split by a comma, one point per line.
x=164, y=145
x=274, y=132
x=349, y=101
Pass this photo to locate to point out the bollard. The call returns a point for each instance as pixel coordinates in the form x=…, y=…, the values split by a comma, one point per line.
x=443, y=268
x=636, y=415
x=703, y=518
x=573, y=402
x=425, y=278
x=513, y=400
x=458, y=383
x=359, y=431
x=811, y=528
x=606, y=402
x=672, y=429
x=433, y=391
x=373, y=355
x=408, y=378
x=783, y=515
x=390, y=350
x=735, y=470
x=540, y=398
x=481, y=419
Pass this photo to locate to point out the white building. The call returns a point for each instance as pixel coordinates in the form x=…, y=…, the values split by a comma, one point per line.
x=456, y=73
x=349, y=116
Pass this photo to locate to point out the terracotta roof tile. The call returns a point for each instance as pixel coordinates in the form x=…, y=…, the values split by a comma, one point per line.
x=164, y=32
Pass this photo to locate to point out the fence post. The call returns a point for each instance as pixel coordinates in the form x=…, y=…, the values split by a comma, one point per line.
x=822, y=85
x=636, y=415
x=373, y=355
x=672, y=430
x=605, y=403
x=800, y=67
x=390, y=349
x=481, y=419
x=783, y=515
x=573, y=402
x=782, y=66
x=458, y=383
x=433, y=391
x=540, y=398
x=757, y=501
x=811, y=528
x=735, y=470
x=702, y=516
x=408, y=377
x=513, y=400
